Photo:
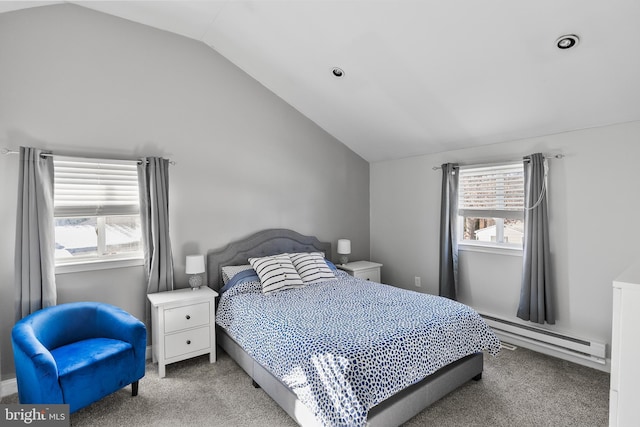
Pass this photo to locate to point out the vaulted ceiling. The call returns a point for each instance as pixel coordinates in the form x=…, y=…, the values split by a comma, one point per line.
x=422, y=76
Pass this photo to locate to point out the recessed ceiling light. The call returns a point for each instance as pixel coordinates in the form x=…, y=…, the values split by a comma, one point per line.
x=337, y=72
x=567, y=41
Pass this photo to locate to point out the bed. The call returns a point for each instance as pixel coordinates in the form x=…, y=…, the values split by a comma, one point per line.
x=359, y=398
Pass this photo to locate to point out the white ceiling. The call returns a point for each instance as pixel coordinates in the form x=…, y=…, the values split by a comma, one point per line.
x=422, y=76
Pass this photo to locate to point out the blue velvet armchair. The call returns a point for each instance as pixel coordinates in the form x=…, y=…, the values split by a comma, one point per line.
x=77, y=353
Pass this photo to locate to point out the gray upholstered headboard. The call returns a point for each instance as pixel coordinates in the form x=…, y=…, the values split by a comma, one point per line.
x=263, y=243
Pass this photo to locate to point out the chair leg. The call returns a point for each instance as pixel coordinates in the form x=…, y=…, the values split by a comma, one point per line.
x=134, y=388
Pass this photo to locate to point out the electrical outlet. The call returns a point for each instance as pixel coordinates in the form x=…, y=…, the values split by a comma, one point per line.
x=417, y=281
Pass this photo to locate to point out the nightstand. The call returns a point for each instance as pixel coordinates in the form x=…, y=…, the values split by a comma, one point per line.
x=183, y=325
x=366, y=270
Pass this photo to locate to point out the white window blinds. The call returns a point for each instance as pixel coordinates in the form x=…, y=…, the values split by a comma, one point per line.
x=492, y=191
x=88, y=187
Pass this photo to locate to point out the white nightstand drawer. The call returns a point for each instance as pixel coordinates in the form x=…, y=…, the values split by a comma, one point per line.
x=189, y=316
x=187, y=342
x=372, y=274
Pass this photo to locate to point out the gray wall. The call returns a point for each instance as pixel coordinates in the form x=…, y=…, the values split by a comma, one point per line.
x=593, y=207
x=79, y=82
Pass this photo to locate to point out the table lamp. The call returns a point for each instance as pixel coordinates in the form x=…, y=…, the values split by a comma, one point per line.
x=344, y=249
x=195, y=266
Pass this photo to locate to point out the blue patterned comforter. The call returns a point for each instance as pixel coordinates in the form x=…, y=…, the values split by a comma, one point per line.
x=345, y=345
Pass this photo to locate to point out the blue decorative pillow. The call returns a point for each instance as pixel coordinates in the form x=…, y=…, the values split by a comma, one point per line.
x=228, y=271
x=276, y=273
x=331, y=265
x=244, y=276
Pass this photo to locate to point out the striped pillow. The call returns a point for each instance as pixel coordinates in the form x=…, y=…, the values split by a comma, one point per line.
x=276, y=273
x=312, y=267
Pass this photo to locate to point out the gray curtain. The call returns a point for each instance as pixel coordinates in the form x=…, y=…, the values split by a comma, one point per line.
x=153, y=180
x=448, y=232
x=535, y=295
x=35, y=281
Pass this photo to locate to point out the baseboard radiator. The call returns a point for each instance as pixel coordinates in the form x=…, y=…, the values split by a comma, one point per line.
x=577, y=347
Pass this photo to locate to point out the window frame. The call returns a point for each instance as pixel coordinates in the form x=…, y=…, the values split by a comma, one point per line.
x=74, y=198
x=497, y=214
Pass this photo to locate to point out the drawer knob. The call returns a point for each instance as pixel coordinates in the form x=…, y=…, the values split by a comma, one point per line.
x=188, y=342
x=188, y=317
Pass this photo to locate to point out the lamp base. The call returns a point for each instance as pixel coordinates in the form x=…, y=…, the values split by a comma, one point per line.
x=195, y=281
x=344, y=259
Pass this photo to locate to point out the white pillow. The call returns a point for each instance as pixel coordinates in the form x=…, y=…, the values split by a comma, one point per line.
x=276, y=273
x=228, y=271
x=311, y=267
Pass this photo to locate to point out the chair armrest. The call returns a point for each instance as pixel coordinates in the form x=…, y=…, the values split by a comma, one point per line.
x=36, y=369
x=116, y=323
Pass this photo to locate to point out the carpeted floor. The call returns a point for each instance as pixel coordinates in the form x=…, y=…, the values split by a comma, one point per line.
x=519, y=388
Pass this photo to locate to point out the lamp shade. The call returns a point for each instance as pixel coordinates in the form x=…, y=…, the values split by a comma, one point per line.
x=195, y=264
x=344, y=246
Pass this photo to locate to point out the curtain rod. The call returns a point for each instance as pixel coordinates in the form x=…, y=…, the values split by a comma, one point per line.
x=526, y=159
x=6, y=151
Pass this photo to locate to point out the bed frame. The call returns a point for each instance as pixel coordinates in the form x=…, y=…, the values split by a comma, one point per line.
x=393, y=411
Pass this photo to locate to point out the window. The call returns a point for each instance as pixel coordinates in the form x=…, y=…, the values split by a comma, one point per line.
x=491, y=205
x=96, y=210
